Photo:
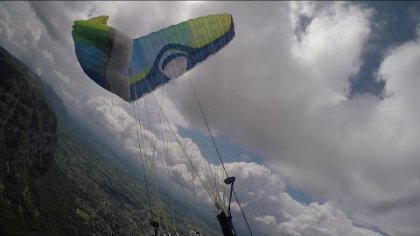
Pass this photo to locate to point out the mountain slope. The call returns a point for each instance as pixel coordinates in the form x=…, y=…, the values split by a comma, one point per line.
x=28, y=142
x=53, y=180
x=55, y=177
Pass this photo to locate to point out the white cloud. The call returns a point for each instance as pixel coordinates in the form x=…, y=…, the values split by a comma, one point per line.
x=35, y=32
x=396, y=196
x=47, y=55
x=65, y=79
x=6, y=29
x=38, y=71
x=322, y=220
x=261, y=191
x=267, y=219
x=285, y=99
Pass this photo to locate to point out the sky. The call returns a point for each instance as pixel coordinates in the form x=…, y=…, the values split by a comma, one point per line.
x=314, y=104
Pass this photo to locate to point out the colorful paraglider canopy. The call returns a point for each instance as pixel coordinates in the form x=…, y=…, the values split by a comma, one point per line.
x=132, y=68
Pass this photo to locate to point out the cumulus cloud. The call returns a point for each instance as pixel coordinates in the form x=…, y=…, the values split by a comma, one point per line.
x=47, y=55
x=283, y=99
x=261, y=191
x=397, y=112
x=267, y=219
x=291, y=104
x=322, y=220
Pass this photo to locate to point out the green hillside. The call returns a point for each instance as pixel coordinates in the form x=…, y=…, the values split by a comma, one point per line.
x=56, y=178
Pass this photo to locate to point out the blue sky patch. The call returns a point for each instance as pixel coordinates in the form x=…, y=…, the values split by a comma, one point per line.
x=230, y=151
x=393, y=23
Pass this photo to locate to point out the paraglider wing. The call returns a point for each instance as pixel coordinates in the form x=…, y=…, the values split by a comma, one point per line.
x=132, y=68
